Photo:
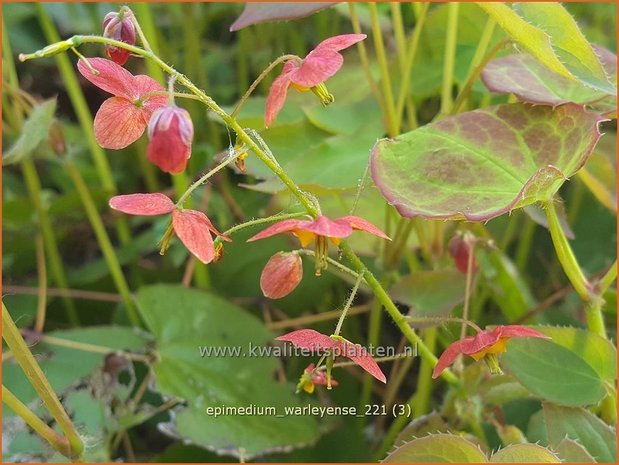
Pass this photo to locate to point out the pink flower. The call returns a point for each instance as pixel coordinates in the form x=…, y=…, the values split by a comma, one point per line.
x=119, y=26
x=320, y=229
x=310, y=73
x=192, y=227
x=334, y=346
x=170, y=133
x=312, y=377
x=121, y=120
x=281, y=275
x=486, y=345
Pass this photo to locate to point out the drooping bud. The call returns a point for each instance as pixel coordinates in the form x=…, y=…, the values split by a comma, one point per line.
x=170, y=133
x=119, y=26
x=461, y=249
x=281, y=275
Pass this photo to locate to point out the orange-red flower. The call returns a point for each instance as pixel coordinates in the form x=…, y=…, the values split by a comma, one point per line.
x=320, y=229
x=334, y=346
x=485, y=344
x=121, y=120
x=192, y=227
x=310, y=73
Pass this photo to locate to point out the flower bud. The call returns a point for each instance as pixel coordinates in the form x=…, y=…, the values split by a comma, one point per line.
x=119, y=26
x=170, y=133
x=460, y=248
x=281, y=275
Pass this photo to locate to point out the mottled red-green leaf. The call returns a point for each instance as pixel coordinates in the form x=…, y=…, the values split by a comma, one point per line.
x=483, y=163
x=262, y=12
x=532, y=82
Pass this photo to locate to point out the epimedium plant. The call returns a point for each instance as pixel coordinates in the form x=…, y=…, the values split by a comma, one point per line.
x=465, y=165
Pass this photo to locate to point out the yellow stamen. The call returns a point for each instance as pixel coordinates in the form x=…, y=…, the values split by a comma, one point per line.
x=320, y=90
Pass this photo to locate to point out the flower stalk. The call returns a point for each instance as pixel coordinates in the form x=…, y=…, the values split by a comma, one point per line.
x=39, y=382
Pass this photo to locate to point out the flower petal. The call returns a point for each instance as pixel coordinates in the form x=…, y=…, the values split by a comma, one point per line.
x=319, y=66
x=142, y=204
x=144, y=85
x=481, y=340
x=324, y=226
x=193, y=229
x=361, y=356
x=448, y=357
x=280, y=227
x=340, y=42
x=521, y=331
x=169, y=146
x=361, y=224
x=112, y=78
x=281, y=275
x=309, y=339
x=118, y=123
x=324, y=61
x=277, y=93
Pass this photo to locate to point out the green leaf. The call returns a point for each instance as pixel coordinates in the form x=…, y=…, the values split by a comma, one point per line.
x=336, y=163
x=524, y=453
x=204, y=320
x=579, y=424
x=598, y=352
x=438, y=448
x=64, y=366
x=525, y=77
x=499, y=390
x=422, y=426
x=508, y=288
x=430, y=293
x=570, y=451
x=570, y=45
x=484, y=163
x=33, y=132
x=552, y=372
x=549, y=33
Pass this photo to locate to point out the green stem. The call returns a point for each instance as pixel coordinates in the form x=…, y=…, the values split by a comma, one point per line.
x=183, y=198
x=608, y=279
x=268, y=219
x=85, y=119
x=474, y=75
x=385, y=79
x=399, y=319
x=363, y=57
x=408, y=65
x=39, y=382
x=353, y=293
x=258, y=80
x=145, y=27
x=33, y=184
x=449, y=57
x=566, y=257
x=104, y=242
x=57, y=441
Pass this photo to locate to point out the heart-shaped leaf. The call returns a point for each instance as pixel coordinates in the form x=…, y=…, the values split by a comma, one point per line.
x=483, y=163
x=261, y=12
x=524, y=453
x=532, y=82
x=437, y=448
x=552, y=372
x=599, y=439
